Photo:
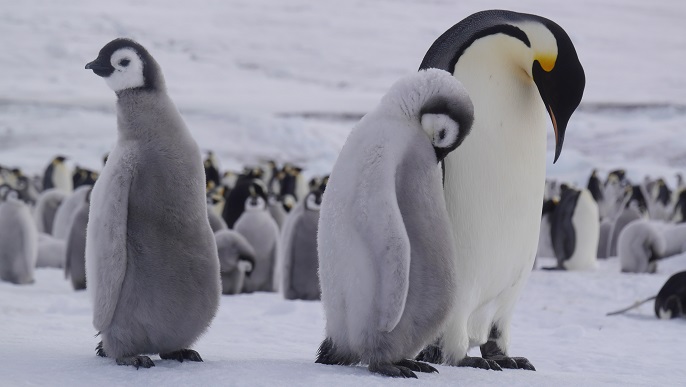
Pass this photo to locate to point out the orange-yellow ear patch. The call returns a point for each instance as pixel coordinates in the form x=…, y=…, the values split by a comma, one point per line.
x=547, y=61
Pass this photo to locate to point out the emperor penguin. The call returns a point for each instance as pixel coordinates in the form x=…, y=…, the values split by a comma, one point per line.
x=151, y=256
x=545, y=242
x=211, y=170
x=236, y=260
x=260, y=230
x=385, y=244
x=298, y=260
x=57, y=175
x=52, y=252
x=46, y=209
x=18, y=240
x=67, y=210
x=670, y=301
x=519, y=70
x=575, y=229
x=640, y=244
x=629, y=214
x=75, y=262
x=235, y=202
x=595, y=187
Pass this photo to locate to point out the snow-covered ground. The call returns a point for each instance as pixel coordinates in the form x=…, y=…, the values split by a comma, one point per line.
x=287, y=80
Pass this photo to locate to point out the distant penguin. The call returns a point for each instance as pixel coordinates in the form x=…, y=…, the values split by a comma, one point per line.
x=235, y=202
x=52, y=252
x=522, y=73
x=18, y=240
x=236, y=260
x=75, y=262
x=386, y=251
x=216, y=221
x=575, y=229
x=151, y=256
x=298, y=261
x=675, y=239
x=679, y=212
x=260, y=230
x=628, y=215
x=211, y=170
x=640, y=244
x=46, y=209
x=82, y=176
x=57, y=175
x=545, y=242
x=604, y=239
x=595, y=187
x=276, y=209
x=67, y=210
x=671, y=299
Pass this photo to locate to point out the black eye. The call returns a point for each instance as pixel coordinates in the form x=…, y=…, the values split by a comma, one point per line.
x=441, y=134
x=124, y=62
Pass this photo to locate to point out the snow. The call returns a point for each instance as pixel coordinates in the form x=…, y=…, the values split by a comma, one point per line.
x=287, y=80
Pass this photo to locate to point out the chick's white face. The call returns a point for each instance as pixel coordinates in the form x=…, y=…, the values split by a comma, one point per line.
x=128, y=70
x=442, y=130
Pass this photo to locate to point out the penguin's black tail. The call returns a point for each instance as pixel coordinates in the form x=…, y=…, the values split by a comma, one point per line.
x=329, y=354
x=635, y=305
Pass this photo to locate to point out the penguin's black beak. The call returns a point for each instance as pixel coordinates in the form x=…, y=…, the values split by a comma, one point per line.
x=561, y=85
x=100, y=67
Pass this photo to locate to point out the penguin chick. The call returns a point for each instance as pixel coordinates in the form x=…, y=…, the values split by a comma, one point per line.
x=151, y=256
x=236, y=260
x=46, y=209
x=75, y=262
x=18, y=240
x=385, y=244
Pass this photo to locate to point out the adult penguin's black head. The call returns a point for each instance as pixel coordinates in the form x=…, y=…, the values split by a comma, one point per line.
x=539, y=46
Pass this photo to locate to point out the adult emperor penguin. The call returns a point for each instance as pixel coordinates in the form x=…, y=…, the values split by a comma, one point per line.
x=670, y=301
x=75, y=262
x=57, y=175
x=519, y=69
x=18, y=240
x=575, y=229
x=298, y=260
x=385, y=243
x=151, y=256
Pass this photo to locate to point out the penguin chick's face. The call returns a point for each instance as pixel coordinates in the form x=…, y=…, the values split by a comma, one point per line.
x=124, y=64
x=443, y=131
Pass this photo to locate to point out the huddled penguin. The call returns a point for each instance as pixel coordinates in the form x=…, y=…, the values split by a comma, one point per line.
x=82, y=176
x=52, y=252
x=151, y=256
x=386, y=250
x=216, y=221
x=277, y=209
x=595, y=187
x=46, y=209
x=574, y=230
x=57, y=175
x=520, y=70
x=640, y=244
x=236, y=260
x=260, y=230
x=235, y=202
x=75, y=262
x=18, y=240
x=629, y=214
x=67, y=210
x=298, y=260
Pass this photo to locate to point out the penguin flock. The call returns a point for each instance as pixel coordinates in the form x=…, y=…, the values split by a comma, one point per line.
x=415, y=256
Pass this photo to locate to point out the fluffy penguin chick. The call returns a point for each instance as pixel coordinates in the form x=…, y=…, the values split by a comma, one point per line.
x=260, y=230
x=18, y=240
x=298, y=262
x=236, y=260
x=46, y=209
x=151, y=257
x=75, y=263
x=521, y=72
x=386, y=250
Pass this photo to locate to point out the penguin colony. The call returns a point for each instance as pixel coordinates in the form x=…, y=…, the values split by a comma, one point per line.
x=397, y=242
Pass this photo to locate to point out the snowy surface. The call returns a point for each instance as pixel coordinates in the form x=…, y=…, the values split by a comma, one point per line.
x=287, y=80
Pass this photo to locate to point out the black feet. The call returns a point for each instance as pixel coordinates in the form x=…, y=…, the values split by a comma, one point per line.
x=514, y=363
x=392, y=370
x=416, y=366
x=181, y=355
x=479, y=362
x=329, y=354
x=136, y=361
x=432, y=354
x=99, y=350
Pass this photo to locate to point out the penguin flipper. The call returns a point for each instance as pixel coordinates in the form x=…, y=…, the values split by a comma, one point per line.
x=106, y=244
x=389, y=245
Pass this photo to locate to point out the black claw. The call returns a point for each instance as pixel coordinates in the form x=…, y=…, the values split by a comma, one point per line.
x=392, y=370
x=99, y=350
x=416, y=366
x=136, y=361
x=478, y=362
x=524, y=363
x=505, y=362
x=181, y=355
x=407, y=372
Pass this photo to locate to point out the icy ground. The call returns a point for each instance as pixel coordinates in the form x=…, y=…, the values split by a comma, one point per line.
x=287, y=80
x=46, y=338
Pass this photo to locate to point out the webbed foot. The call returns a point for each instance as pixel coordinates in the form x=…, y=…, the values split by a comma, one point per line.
x=432, y=354
x=416, y=366
x=392, y=370
x=479, y=362
x=181, y=355
x=99, y=350
x=136, y=361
